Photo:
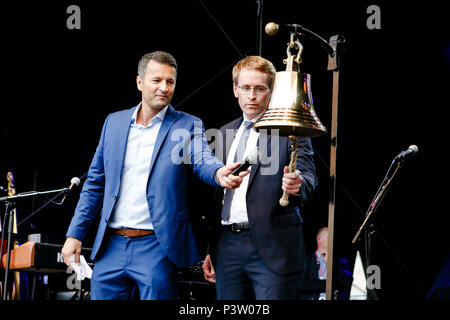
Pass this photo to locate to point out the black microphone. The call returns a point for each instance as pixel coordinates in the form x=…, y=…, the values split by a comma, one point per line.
x=412, y=150
x=251, y=159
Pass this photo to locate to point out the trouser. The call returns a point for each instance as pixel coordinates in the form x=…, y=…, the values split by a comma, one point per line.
x=242, y=274
x=125, y=264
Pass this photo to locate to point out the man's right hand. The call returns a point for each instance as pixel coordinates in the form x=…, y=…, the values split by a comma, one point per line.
x=208, y=270
x=227, y=180
x=71, y=247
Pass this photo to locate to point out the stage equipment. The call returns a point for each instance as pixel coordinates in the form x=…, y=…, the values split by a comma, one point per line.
x=42, y=257
x=259, y=24
x=12, y=222
x=75, y=181
x=11, y=228
x=370, y=229
x=192, y=285
x=412, y=150
x=39, y=258
x=399, y=160
x=291, y=112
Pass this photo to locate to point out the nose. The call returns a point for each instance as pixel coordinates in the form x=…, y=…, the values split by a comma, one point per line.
x=252, y=94
x=164, y=86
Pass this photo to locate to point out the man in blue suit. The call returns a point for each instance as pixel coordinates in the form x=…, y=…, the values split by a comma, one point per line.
x=137, y=179
x=256, y=249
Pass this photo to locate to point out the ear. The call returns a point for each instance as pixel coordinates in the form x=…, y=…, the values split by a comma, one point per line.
x=139, y=83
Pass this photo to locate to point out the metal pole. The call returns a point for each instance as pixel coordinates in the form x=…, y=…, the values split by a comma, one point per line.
x=331, y=205
x=332, y=65
x=259, y=26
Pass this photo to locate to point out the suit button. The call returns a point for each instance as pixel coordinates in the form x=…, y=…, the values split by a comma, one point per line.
x=114, y=197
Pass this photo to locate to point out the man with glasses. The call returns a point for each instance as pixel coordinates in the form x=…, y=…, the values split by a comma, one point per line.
x=256, y=246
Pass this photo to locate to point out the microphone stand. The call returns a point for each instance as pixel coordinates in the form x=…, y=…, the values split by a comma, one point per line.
x=9, y=226
x=10, y=202
x=370, y=230
x=32, y=193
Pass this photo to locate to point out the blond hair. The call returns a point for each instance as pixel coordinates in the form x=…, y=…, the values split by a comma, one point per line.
x=256, y=63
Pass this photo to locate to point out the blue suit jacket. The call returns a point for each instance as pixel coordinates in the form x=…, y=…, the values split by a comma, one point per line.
x=180, y=147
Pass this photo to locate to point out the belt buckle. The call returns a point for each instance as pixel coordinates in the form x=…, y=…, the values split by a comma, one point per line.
x=123, y=232
x=235, y=228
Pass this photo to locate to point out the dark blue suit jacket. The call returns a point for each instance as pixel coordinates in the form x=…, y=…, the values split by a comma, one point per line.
x=180, y=147
x=276, y=230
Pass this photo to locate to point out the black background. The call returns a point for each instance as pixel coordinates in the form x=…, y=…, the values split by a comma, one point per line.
x=58, y=85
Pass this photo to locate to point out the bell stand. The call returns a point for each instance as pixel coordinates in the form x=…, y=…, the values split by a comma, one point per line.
x=292, y=64
x=370, y=229
x=331, y=48
x=10, y=203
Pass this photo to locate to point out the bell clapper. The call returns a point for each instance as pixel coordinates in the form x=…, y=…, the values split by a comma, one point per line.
x=284, y=200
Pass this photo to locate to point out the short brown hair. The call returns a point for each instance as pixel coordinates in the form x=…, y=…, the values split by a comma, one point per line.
x=255, y=63
x=158, y=56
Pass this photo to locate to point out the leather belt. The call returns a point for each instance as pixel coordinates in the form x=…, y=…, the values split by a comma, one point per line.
x=131, y=233
x=236, y=227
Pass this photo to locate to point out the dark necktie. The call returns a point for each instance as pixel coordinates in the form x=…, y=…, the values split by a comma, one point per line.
x=238, y=155
x=240, y=150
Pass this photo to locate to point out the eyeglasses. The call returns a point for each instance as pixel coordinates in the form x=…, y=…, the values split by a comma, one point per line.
x=259, y=90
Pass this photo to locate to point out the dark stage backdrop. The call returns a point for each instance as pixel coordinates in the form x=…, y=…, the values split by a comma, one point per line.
x=58, y=85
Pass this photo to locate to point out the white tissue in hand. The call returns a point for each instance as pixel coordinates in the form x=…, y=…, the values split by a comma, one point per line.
x=83, y=270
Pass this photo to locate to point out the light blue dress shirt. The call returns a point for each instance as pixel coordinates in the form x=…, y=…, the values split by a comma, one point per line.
x=131, y=209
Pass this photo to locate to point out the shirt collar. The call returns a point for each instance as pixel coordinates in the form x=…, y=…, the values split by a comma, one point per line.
x=160, y=114
x=254, y=119
x=319, y=256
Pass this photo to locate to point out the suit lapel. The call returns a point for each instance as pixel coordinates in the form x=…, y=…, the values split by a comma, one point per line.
x=227, y=146
x=227, y=143
x=170, y=117
x=122, y=136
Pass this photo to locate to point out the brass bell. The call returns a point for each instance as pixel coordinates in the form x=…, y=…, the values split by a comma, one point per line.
x=291, y=108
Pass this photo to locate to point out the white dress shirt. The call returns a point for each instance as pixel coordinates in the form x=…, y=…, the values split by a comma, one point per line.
x=238, y=208
x=131, y=209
